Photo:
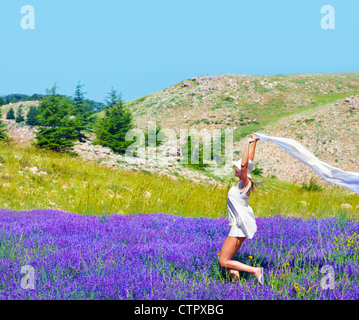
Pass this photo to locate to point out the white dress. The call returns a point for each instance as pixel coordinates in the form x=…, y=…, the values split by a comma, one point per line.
x=241, y=218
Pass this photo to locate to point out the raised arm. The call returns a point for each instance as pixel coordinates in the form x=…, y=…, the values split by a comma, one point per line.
x=252, y=149
x=249, y=150
x=246, y=156
x=244, y=164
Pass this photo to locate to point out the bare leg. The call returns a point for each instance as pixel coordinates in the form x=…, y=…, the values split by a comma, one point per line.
x=230, y=246
x=234, y=274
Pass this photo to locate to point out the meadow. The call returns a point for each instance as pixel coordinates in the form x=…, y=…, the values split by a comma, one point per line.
x=91, y=232
x=38, y=179
x=165, y=256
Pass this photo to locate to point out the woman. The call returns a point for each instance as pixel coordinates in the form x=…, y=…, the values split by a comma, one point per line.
x=240, y=215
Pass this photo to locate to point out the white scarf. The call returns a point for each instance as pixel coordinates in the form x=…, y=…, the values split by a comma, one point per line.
x=349, y=180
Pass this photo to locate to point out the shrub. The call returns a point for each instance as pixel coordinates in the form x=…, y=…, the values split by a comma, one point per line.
x=257, y=171
x=312, y=186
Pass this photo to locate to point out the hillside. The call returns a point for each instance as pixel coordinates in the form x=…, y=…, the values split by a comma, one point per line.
x=330, y=132
x=318, y=110
x=165, y=165
x=244, y=103
x=20, y=132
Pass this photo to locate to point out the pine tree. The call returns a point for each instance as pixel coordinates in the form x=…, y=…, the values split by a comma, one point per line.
x=112, y=128
x=31, y=116
x=58, y=123
x=195, y=155
x=3, y=130
x=84, y=113
x=158, y=141
x=10, y=114
x=19, y=115
x=186, y=150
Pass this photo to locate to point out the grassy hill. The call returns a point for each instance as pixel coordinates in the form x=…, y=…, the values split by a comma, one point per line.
x=320, y=111
x=309, y=108
x=330, y=132
x=243, y=102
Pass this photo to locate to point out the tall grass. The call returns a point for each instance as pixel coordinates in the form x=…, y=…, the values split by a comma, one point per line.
x=68, y=183
x=284, y=198
x=65, y=182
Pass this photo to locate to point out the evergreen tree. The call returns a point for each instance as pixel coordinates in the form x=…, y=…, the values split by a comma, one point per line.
x=19, y=115
x=158, y=141
x=111, y=129
x=58, y=123
x=31, y=116
x=194, y=156
x=10, y=114
x=84, y=113
x=186, y=149
x=3, y=130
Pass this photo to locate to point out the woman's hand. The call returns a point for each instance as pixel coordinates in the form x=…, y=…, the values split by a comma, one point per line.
x=253, y=138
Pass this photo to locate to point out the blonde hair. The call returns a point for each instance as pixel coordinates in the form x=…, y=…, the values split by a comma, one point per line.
x=254, y=185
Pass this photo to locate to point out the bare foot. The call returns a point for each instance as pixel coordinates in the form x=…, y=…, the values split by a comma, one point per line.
x=234, y=275
x=257, y=273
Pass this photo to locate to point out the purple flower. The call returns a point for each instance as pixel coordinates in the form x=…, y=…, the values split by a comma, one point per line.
x=165, y=256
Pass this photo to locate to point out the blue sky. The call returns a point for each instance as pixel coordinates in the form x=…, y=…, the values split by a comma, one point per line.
x=140, y=47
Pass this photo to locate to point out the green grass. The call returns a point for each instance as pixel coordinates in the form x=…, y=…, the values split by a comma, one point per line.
x=74, y=185
x=89, y=188
x=284, y=198
x=271, y=113
x=321, y=100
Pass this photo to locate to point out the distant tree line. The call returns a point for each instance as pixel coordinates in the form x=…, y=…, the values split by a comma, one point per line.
x=17, y=97
x=62, y=120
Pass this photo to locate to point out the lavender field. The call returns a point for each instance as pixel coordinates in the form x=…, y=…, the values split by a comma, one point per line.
x=164, y=256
